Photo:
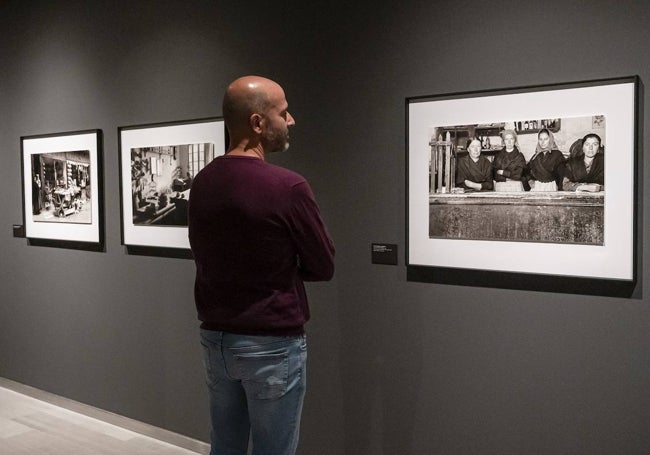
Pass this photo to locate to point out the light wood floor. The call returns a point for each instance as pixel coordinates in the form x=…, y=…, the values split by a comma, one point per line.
x=29, y=426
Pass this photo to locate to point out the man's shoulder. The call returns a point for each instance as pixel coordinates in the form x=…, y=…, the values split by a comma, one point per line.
x=283, y=174
x=249, y=168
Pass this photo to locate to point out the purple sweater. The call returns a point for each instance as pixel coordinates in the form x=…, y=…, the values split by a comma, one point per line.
x=256, y=234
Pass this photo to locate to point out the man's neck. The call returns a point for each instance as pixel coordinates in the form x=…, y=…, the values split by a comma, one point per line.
x=244, y=150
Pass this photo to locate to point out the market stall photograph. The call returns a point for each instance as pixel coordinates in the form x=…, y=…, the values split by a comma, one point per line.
x=61, y=187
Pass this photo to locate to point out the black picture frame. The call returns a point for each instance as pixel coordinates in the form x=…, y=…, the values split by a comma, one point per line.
x=63, y=189
x=157, y=162
x=606, y=264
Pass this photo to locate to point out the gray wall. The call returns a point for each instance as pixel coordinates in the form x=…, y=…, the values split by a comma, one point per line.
x=395, y=367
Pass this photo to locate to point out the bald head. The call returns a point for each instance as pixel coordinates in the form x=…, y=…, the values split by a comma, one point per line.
x=256, y=115
x=246, y=96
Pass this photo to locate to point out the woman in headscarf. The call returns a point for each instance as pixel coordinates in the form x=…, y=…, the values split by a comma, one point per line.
x=509, y=164
x=546, y=167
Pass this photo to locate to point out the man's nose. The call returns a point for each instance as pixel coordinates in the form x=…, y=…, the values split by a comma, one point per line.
x=290, y=120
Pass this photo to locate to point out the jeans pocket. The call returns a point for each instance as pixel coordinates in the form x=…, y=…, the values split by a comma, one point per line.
x=212, y=378
x=264, y=375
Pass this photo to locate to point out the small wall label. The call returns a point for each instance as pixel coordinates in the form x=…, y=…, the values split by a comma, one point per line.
x=19, y=230
x=384, y=253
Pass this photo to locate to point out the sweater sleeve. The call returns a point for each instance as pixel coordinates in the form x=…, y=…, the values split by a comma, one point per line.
x=313, y=243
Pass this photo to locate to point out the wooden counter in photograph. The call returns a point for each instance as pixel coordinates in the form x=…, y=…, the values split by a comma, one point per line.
x=560, y=217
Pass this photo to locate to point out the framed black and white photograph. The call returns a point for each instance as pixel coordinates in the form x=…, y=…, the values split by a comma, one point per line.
x=537, y=180
x=63, y=189
x=157, y=165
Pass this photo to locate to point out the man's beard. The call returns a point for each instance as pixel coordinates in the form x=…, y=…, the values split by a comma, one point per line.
x=276, y=141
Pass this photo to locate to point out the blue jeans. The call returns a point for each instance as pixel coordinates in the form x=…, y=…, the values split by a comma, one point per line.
x=256, y=385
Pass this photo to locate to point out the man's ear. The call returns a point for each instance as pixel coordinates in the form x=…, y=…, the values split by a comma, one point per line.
x=256, y=123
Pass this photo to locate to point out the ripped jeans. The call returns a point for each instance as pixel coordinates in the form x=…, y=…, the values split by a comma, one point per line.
x=256, y=386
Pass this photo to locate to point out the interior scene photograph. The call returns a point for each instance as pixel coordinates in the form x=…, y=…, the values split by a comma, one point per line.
x=161, y=178
x=324, y=228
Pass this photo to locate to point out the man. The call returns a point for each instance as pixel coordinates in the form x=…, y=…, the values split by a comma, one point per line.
x=256, y=234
